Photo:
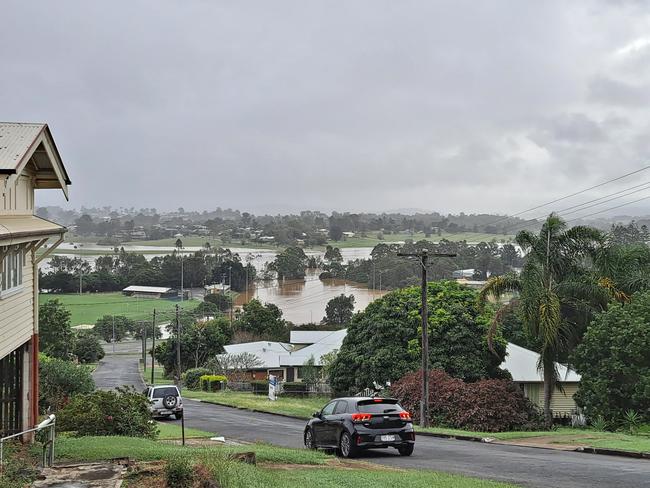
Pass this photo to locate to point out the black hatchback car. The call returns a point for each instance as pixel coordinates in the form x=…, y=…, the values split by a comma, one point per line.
x=350, y=425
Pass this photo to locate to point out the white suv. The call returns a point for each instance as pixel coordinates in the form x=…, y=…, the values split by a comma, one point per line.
x=165, y=401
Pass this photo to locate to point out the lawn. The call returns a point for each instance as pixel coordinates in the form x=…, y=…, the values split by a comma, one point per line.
x=299, y=407
x=277, y=467
x=89, y=307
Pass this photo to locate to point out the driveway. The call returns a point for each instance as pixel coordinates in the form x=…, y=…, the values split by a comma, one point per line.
x=525, y=466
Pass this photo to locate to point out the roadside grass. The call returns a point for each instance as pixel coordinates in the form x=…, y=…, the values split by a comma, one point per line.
x=167, y=431
x=277, y=467
x=89, y=307
x=300, y=407
x=158, y=375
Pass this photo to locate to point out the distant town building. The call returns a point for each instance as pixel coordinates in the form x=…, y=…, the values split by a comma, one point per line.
x=29, y=161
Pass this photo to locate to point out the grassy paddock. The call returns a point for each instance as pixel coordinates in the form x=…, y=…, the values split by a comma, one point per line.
x=89, y=307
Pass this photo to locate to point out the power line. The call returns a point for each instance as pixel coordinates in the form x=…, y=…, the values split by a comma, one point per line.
x=608, y=209
x=571, y=195
x=584, y=206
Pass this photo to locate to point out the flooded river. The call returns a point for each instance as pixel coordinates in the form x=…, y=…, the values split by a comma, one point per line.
x=301, y=301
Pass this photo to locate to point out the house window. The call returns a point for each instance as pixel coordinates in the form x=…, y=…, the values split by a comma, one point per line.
x=12, y=271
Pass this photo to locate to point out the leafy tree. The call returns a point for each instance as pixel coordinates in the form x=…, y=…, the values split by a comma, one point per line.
x=383, y=341
x=263, y=321
x=87, y=348
x=200, y=341
x=614, y=362
x=219, y=299
x=119, y=325
x=290, y=263
x=55, y=335
x=235, y=367
x=336, y=232
x=339, y=310
x=333, y=255
x=557, y=293
x=309, y=373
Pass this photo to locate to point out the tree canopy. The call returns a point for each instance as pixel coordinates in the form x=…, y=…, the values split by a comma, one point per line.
x=383, y=341
x=614, y=361
x=339, y=310
x=56, y=336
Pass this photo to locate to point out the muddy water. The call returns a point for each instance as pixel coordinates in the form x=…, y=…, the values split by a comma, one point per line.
x=301, y=301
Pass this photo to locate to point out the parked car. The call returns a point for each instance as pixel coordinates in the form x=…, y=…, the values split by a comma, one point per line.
x=350, y=425
x=165, y=401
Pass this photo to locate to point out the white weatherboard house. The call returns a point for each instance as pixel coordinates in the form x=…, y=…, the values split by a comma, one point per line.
x=286, y=360
x=29, y=161
x=522, y=365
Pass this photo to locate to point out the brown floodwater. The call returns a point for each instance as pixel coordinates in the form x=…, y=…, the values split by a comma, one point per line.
x=303, y=301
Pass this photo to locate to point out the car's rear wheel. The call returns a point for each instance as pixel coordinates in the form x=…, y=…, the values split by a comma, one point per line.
x=406, y=450
x=346, y=449
x=309, y=439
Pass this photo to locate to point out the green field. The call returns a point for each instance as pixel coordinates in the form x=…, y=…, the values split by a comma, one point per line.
x=89, y=307
x=371, y=239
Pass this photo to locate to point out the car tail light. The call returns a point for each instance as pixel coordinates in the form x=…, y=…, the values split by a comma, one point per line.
x=361, y=417
x=405, y=416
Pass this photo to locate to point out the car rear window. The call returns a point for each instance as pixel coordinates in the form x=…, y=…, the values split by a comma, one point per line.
x=163, y=392
x=379, y=406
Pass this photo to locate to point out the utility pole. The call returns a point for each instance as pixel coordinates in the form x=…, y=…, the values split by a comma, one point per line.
x=153, y=346
x=423, y=257
x=230, y=292
x=178, y=364
x=143, y=326
x=113, y=334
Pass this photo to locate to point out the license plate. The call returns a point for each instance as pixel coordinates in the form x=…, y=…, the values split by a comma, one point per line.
x=387, y=438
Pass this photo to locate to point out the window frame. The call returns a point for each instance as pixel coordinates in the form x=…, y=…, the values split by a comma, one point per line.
x=12, y=272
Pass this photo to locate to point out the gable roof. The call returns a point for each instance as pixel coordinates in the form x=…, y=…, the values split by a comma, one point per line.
x=522, y=365
x=268, y=352
x=22, y=143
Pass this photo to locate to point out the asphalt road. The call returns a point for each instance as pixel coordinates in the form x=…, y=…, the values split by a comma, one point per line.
x=520, y=465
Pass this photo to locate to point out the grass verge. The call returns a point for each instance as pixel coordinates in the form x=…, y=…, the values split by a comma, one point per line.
x=167, y=431
x=299, y=407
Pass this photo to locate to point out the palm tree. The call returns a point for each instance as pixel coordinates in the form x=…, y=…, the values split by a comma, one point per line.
x=558, y=292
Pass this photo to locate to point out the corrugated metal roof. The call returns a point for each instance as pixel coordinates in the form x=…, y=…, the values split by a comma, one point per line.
x=147, y=289
x=266, y=351
x=16, y=226
x=333, y=340
x=522, y=365
x=308, y=336
x=15, y=141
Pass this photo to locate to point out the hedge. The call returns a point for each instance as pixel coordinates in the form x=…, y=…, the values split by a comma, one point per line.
x=213, y=382
x=294, y=389
x=260, y=387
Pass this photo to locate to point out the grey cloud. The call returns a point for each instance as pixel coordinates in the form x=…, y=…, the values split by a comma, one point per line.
x=361, y=105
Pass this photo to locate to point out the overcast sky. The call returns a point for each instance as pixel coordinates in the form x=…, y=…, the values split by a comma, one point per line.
x=350, y=105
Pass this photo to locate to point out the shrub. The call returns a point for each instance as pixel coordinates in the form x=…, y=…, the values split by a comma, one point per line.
x=179, y=473
x=192, y=377
x=260, y=387
x=88, y=349
x=296, y=389
x=212, y=382
x=122, y=412
x=60, y=380
x=486, y=405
